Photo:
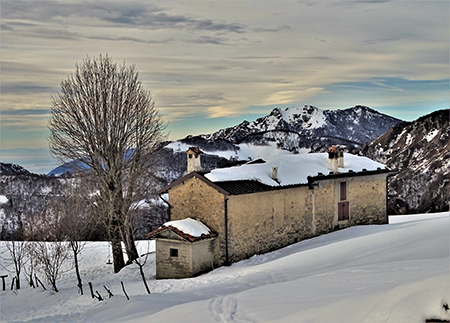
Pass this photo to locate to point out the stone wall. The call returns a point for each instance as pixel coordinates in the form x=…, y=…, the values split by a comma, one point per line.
x=203, y=256
x=265, y=221
x=367, y=197
x=173, y=267
x=199, y=201
x=192, y=258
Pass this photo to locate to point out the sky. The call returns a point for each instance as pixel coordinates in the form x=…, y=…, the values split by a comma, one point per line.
x=212, y=64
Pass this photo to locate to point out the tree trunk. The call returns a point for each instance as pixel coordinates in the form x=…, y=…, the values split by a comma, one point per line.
x=17, y=282
x=77, y=269
x=117, y=253
x=130, y=245
x=141, y=270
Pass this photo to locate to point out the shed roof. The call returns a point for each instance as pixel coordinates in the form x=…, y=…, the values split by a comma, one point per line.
x=188, y=229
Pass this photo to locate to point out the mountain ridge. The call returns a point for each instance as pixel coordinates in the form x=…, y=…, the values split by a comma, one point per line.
x=420, y=152
x=298, y=127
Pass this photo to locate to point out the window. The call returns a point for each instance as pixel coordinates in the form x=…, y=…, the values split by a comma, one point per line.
x=190, y=155
x=343, y=191
x=173, y=252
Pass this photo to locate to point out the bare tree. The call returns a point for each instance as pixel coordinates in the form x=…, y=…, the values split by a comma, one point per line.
x=18, y=256
x=105, y=118
x=75, y=223
x=140, y=262
x=16, y=246
x=49, y=257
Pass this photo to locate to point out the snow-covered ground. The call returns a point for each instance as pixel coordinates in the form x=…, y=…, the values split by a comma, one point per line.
x=389, y=273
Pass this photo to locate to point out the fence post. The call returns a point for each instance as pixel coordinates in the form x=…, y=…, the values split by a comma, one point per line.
x=3, y=281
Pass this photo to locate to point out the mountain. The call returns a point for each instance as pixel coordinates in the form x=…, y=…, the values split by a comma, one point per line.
x=307, y=127
x=420, y=152
x=12, y=169
x=68, y=168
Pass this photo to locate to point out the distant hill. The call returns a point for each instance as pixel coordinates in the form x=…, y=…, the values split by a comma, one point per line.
x=12, y=169
x=420, y=151
x=307, y=127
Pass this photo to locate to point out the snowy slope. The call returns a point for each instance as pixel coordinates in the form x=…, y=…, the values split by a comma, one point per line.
x=388, y=273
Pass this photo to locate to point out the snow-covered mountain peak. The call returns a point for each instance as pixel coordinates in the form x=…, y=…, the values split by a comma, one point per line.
x=308, y=116
x=309, y=127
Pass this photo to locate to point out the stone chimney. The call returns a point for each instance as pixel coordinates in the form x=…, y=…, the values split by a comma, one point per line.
x=341, y=158
x=333, y=156
x=193, y=159
x=275, y=173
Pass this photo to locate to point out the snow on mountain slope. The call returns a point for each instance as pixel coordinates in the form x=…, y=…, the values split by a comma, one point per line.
x=420, y=152
x=308, y=127
x=388, y=273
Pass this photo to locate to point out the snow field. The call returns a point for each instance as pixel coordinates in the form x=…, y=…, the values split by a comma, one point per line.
x=389, y=273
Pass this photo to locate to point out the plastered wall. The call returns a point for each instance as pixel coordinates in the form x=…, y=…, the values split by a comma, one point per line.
x=173, y=267
x=193, y=258
x=197, y=200
x=266, y=221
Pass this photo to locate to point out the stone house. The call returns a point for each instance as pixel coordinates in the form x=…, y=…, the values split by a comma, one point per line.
x=268, y=204
x=185, y=248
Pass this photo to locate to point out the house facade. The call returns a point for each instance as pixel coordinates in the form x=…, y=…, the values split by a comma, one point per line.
x=260, y=207
x=180, y=252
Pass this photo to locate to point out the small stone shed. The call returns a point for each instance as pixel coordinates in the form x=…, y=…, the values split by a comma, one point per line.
x=184, y=248
x=270, y=203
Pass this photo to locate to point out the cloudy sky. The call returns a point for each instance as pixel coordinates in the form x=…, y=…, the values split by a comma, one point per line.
x=212, y=64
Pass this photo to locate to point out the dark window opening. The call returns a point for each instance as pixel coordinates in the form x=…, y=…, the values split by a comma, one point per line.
x=173, y=252
x=190, y=155
x=343, y=191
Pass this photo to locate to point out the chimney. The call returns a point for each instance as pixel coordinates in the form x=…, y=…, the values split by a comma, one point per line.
x=341, y=158
x=333, y=156
x=275, y=174
x=193, y=159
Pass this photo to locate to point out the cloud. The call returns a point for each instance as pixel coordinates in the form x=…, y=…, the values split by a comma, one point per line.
x=217, y=59
x=219, y=27
x=210, y=40
x=132, y=14
x=25, y=112
x=25, y=89
x=271, y=29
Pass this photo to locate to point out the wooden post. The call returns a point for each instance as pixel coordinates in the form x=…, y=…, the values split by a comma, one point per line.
x=99, y=297
x=92, y=291
x=123, y=288
x=12, y=283
x=3, y=281
x=110, y=294
x=39, y=281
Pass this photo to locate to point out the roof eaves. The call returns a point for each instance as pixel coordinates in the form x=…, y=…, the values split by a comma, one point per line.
x=198, y=175
x=350, y=173
x=181, y=234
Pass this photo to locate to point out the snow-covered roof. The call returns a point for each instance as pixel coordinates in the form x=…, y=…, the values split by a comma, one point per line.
x=189, y=226
x=292, y=169
x=189, y=229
